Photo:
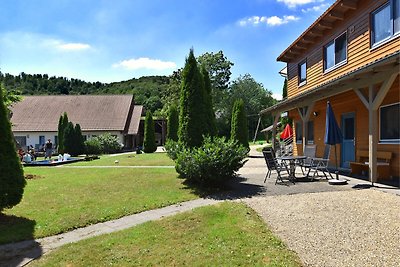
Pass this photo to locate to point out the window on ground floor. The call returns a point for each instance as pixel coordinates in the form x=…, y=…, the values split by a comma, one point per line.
x=389, y=128
x=299, y=132
x=310, y=132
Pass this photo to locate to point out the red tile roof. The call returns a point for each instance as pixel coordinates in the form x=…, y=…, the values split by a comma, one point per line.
x=92, y=112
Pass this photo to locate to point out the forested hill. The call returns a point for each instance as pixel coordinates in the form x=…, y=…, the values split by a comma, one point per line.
x=148, y=91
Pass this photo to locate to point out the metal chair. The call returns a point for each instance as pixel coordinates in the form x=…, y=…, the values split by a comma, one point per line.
x=309, y=152
x=274, y=165
x=321, y=164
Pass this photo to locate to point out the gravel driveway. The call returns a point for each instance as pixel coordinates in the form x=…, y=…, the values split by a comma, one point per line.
x=342, y=228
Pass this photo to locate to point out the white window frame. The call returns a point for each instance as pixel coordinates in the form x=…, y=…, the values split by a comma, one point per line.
x=386, y=141
x=336, y=64
x=301, y=83
x=393, y=35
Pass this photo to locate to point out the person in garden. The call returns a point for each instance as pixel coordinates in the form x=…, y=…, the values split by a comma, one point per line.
x=48, y=149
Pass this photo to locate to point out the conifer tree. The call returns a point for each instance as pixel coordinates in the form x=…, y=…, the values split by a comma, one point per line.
x=192, y=115
x=62, y=124
x=12, y=181
x=172, y=124
x=69, y=139
x=149, y=142
x=208, y=103
x=239, y=128
x=284, y=89
x=79, y=142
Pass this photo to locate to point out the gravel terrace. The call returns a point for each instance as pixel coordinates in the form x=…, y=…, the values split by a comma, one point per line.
x=342, y=228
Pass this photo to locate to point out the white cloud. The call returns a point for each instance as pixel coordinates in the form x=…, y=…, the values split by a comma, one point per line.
x=73, y=46
x=319, y=8
x=144, y=63
x=277, y=96
x=294, y=3
x=271, y=21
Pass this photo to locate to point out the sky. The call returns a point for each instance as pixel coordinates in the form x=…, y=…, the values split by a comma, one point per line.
x=117, y=40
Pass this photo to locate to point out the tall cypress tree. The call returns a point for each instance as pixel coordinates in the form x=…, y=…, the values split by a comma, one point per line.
x=62, y=124
x=149, y=141
x=208, y=103
x=284, y=89
x=69, y=139
x=192, y=117
x=173, y=123
x=239, y=128
x=79, y=142
x=12, y=181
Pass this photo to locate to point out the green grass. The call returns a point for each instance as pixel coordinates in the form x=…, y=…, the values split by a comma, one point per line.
x=63, y=199
x=229, y=234
x=152, y=159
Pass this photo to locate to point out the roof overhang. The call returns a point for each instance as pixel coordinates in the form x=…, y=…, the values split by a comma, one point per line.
x=336, y=12
x=372, y=73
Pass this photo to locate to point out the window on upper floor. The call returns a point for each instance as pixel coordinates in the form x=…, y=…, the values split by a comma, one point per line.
x=335, y=52
x=389, y=123
x=302, y=67
x=385, y=22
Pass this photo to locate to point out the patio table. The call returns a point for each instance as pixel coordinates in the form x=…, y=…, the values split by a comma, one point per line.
x=291, y=162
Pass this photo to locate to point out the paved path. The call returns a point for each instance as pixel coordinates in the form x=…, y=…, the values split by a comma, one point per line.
x=21, y=253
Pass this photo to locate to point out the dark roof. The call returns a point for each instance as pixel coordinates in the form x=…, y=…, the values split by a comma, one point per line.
x=135, y=120
x=92, y=112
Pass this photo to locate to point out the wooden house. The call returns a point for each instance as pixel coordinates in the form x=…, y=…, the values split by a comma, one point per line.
x=350, y=57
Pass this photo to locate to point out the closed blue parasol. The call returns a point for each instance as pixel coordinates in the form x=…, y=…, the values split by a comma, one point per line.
x=333, y=135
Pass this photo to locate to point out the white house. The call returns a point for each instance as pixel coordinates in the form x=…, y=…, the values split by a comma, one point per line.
x=35, y=118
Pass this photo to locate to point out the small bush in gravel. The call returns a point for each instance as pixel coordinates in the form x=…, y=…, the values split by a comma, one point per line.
x=211, y=164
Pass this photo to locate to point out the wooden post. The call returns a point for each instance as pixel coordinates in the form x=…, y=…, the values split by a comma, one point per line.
x=275, y=118
x=305, y=113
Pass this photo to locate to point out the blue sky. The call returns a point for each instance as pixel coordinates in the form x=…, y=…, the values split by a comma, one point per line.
x=116, y=40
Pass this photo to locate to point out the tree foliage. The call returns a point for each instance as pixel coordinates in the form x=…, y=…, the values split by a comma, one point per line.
x=208, y=104
x=239, y=128
x=12, y=181
x=149, y=142
x=173, y=123
x=62, y=124
x=284, y=89
x=72, y=138
x=192, y=119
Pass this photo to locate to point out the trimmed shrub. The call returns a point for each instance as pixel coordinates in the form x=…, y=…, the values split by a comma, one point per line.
x=79, y=142
x=69, y=139
x=149, y=142
x=239, y=129
x=109, y=144
x=173, y=123
x=173, y=148
x=12, y=181
x=213, y=163
x=93, y=146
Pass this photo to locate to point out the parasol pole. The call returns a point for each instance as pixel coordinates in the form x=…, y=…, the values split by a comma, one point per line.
x=337, y=171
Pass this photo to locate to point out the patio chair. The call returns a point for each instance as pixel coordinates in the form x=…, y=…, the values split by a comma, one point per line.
x=274, y=165
x=309, y=152
x=321, y=164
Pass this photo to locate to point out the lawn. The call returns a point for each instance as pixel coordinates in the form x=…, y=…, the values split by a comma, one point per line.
x=61, y=199
x=153, y=159
x=228, y=234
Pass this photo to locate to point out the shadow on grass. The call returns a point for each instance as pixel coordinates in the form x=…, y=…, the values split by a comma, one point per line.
x=234, y=188
x=13, y=228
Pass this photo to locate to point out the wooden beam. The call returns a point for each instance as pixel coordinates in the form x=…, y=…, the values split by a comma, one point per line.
x=383, y=91
x=316, y=33
x=362, y=97
x=349, y=4
x=325, y=25
x=301, y=47
x=372, y=137
x=336, y=15
x=308, y=40
x=275, y=118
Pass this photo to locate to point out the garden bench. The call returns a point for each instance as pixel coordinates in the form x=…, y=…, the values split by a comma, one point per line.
x=361, y=165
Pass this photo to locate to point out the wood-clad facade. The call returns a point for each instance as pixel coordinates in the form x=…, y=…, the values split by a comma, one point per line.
x=350, y=57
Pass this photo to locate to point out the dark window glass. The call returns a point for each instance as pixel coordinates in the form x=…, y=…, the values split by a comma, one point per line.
x=21, y=140
x=310, y=132
x=302, y=72
x=349, y=129
x=340, y=49
x=396, y=16
x=381, y=24
x=335, y=52
x=329, y=55
x=299, y=132
x=55, y=140
x=390, y=123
